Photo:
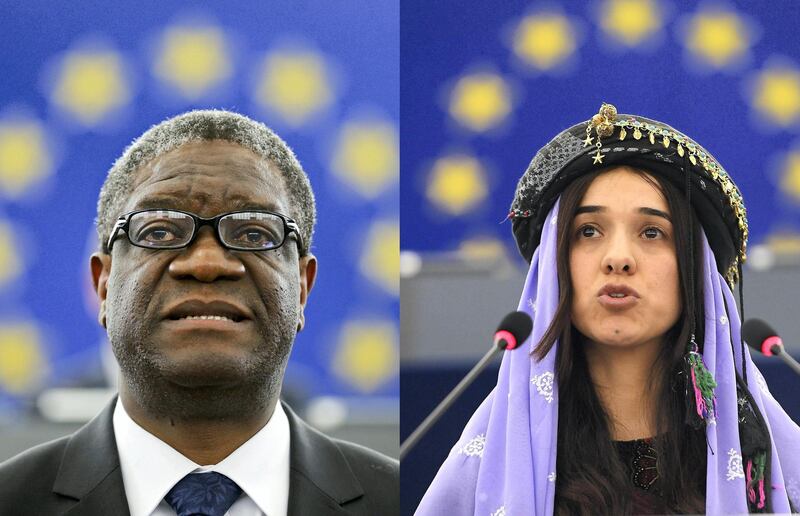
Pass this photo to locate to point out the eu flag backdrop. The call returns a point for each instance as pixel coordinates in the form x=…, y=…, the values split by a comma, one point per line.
x=82, y=79
x=486, y=84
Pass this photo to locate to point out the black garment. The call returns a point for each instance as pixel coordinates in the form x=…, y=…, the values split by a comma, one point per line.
x=640, y=460
x=80, y=475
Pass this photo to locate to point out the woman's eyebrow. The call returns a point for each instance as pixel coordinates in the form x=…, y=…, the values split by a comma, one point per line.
x=656, y=213
x=590, y=209
x=645, y=211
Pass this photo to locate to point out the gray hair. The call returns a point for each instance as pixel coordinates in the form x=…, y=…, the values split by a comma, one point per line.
x=205, y=125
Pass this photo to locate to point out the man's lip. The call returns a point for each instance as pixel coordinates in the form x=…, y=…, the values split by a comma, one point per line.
x=207, y=307
x=611, y=288
x=206, y=324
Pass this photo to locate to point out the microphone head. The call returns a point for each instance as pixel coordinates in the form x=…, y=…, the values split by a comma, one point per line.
x=759, y=335
x=514, y=329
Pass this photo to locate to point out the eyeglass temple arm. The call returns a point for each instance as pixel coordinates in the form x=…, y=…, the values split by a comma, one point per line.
x=119, y=224
x=292, y=225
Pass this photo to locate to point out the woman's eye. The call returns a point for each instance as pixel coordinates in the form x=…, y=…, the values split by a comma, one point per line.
x=587, y=231
x=652, y=233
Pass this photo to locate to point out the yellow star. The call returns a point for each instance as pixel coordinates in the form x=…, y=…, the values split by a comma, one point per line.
x=482, y=249
x=24, y=156
x=785, y=243
x=790, y=178
x=630, y=21
x=457, y=184
x=295, y=84
x=598, y=158
x=22, y=364
x=367, y=356
x=777, y=95
x=480, y=101
x=193, y=59
x=90, y=85
x=717, y=37
x=544, y=40
x=10, y=263
x=367, y=156
x=588, y=141
x=381, y=259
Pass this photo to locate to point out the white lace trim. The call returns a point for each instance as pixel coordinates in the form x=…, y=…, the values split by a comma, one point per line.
x=501, y=511
x=735, y=469
x=793, y=491
x=474, y=447
x=762, y=383
x=544, y=385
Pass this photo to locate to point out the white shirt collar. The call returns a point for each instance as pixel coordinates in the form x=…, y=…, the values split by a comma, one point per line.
x=150, y=467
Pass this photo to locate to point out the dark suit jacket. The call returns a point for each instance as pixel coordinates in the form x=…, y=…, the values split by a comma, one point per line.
x=80, y=475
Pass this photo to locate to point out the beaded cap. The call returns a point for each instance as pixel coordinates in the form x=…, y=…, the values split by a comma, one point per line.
x=609, y=139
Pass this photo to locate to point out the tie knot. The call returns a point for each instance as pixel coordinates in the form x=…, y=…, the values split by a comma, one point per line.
x=203, y=494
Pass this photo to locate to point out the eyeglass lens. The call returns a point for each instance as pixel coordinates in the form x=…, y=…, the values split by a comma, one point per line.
x=166, y=229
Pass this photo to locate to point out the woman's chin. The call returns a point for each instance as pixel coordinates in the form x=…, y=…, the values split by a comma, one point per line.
x=619, y=339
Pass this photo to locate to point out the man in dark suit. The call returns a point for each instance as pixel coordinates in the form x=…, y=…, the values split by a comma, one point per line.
x=206, y=223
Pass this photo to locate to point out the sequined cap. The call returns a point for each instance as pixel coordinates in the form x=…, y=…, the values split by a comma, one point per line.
x=610, y=139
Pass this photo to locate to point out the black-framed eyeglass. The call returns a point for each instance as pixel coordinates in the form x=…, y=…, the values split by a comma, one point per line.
x=250, y=230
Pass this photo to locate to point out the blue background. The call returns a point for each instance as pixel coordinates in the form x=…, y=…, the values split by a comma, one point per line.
x=52, y=219
x=444, y=41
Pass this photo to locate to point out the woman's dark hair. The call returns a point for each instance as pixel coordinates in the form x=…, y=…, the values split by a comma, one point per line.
x=590, y=474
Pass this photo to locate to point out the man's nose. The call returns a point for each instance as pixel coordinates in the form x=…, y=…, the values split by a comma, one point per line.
x=619, y=258
x=206, y=260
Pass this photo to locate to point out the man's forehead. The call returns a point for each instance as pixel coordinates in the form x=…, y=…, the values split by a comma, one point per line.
x=209, y=173
x=181, y=199
x=205, y=157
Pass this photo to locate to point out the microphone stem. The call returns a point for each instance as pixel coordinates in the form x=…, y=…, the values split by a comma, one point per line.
x=791, y=362
x=434, y=416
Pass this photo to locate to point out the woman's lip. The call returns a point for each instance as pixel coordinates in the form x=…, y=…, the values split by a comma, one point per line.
x=617, y=303
x=617, y=289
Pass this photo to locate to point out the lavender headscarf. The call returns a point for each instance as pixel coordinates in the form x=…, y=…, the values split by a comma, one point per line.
x=505, y=461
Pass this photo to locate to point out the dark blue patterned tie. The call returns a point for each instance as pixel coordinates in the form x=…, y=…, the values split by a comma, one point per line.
x=203, y=494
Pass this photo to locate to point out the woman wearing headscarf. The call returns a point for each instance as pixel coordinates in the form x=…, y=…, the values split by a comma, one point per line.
x=635, y=393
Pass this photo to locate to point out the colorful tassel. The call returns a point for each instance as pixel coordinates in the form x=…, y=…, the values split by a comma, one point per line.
x=703, y=384
x=756, y=479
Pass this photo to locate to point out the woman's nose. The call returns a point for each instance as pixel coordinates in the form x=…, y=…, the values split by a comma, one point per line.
x=619, y=257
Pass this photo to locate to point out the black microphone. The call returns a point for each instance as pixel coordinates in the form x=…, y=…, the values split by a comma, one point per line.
x=760, y=336
x=512, y=331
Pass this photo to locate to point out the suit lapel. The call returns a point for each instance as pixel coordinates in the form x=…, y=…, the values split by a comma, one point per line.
x=108, y=497
x=320, y=479
x=306, y=498
x=90, y=472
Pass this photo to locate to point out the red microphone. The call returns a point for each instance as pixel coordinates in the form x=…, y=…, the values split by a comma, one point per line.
x=771, y=343
x=512, y=331
x=762, y=337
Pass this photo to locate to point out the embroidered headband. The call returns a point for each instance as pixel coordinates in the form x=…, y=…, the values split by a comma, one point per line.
x=609, y=139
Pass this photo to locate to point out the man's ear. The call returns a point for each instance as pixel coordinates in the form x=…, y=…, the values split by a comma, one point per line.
x=101, y=268
x=308, y=274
